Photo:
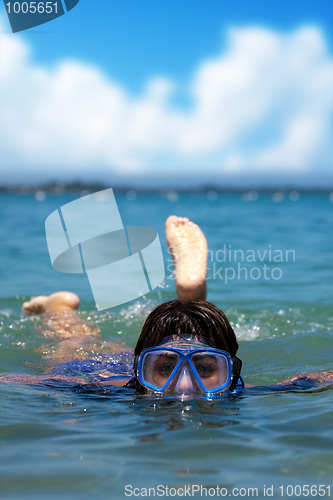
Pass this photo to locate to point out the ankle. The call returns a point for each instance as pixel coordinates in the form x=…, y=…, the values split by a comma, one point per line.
x=191, y=291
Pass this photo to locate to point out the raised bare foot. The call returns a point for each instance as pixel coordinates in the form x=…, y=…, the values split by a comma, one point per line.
x=56, y=302
x=188, y=247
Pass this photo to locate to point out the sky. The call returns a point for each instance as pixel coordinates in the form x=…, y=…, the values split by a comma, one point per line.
x=198, y=91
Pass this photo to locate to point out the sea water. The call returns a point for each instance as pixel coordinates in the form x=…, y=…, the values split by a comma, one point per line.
x=271, y=271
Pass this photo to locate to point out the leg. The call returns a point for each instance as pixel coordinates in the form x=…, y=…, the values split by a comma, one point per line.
x=59, y=313
x=188, y=247
x=75, y=338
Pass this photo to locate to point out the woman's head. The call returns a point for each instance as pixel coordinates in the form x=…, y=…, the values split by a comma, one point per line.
x=195, y=317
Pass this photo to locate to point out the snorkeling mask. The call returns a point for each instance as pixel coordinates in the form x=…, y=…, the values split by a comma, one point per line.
x=183, y=365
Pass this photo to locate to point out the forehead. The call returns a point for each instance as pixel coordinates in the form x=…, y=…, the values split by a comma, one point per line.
x=185, y=341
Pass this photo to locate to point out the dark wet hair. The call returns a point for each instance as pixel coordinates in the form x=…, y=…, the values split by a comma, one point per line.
x=196, y=317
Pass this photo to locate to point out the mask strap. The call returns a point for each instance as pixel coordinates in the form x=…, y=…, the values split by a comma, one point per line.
x=236, y=369
x=133, y=383
x=135, y=364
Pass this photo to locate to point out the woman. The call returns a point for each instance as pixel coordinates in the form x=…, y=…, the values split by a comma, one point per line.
x=186, y=348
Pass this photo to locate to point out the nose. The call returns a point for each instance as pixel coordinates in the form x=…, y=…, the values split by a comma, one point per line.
x=184, y=383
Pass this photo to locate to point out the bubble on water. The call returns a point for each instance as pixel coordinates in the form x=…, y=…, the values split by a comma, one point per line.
x=130, y=195
x=294, y=196
x=212, y=195
x=250, y=196
x=277, y=197
x=40, y=195
x=247, y=332
x=6, y=312
x=172, y=196
x=19, y=344
x=138, y=310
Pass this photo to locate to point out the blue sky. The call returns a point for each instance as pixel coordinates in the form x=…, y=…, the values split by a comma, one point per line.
x=140, y=89
x=133, y=39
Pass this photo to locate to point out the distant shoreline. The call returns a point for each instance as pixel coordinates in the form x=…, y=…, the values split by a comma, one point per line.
x=86, y=188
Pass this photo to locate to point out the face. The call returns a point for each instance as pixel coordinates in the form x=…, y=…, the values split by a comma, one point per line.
x=184, y=368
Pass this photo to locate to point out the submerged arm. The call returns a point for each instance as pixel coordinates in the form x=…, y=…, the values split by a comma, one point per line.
x=318, y=378
x=57, y=380
x=304, y=381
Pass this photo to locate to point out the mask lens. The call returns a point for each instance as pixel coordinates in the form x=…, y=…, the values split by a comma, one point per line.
x=212, y=368
x=157, y=367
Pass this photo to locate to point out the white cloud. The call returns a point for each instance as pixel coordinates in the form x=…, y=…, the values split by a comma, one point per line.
x=265, y=103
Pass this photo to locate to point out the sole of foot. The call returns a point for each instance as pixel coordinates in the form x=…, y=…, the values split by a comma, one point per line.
x=188, y=247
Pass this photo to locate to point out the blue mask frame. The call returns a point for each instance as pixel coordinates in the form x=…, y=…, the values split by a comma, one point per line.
x=186, y=354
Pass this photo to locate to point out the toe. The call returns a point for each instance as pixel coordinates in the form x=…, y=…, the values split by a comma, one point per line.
x=171, y=221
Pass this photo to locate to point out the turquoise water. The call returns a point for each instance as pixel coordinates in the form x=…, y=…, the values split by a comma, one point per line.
x=59, y=442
